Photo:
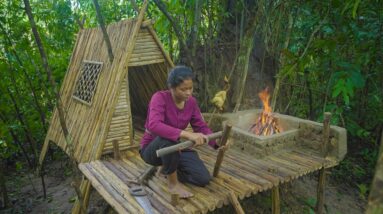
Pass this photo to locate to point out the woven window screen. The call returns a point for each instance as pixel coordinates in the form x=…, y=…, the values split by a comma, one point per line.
x=87, y=82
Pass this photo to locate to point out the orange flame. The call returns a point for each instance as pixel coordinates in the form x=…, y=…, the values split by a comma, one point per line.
x=265, y=97
x=266, y=123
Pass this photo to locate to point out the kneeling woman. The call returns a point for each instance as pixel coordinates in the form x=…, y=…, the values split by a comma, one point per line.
x=169, y=113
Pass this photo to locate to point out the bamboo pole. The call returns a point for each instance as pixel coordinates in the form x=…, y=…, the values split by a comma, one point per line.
x=234, y=201
x=326, y=133
x=184, y=145
x=322, y=172
x=221, y=153
x=276, y=205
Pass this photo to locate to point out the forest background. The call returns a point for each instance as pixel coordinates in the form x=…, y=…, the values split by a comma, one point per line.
x=314, y=56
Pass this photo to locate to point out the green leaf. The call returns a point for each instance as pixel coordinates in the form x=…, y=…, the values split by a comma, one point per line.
x=19, y=165
x=355, y=8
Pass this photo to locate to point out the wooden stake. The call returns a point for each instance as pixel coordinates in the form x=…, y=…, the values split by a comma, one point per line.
x=276, y=204
x=221, y=153
x=320, y=191
x=322, y=172
x=234, y=201
x=116, y=150
x=326, y=133
x=81, y=205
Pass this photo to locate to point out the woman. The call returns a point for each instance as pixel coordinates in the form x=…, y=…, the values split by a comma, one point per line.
x=169, y=113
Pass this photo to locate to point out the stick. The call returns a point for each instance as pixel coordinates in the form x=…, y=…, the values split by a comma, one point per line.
x=146, y=174
x=326, y=133
x=322, y=172
x=116, y=150
x=234, y=201
x=184, y=145
x=276, y=207
x=221, y=153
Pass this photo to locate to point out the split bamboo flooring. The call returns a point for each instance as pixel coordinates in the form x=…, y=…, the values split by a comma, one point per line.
x=240, y=174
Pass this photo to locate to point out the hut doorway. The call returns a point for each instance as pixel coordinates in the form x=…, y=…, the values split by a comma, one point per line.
x=143, y=82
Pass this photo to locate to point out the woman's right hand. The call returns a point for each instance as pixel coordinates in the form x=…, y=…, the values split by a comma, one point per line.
x=198, y=138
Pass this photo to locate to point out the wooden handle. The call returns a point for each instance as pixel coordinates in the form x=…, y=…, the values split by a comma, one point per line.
x=184, y=145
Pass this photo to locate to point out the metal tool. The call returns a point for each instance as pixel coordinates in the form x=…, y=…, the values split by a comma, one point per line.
x=141, y=196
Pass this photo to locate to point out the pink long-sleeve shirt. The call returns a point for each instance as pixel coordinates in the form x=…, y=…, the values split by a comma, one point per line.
x=164, y=119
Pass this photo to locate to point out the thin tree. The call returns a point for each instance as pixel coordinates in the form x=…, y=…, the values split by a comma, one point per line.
x=103, y=29
x=59, y=105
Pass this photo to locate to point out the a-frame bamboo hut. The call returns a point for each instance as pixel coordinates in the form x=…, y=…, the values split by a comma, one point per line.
x=100, y=96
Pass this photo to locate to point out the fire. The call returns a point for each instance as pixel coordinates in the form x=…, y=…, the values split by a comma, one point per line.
x=266, y=123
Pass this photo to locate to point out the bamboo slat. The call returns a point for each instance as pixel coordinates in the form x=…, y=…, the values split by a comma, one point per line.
x=105, y=189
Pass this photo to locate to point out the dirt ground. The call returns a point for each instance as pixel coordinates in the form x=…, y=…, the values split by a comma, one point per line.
x=26, y=195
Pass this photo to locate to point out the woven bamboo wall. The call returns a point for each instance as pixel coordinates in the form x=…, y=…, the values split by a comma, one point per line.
x=146, y=50
x=120, y=127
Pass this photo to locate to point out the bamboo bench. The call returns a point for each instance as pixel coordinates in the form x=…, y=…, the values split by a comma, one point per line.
x=240, y=176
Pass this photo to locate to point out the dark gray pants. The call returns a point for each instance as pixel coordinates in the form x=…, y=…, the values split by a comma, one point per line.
x=187, y=163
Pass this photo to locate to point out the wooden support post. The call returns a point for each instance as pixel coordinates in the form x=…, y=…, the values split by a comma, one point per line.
x=276, y=202
x=116, y=150
x=326, y=133
x=320, y=191
x=322, y=172
x=234, y=201
x=79, y=207
x=221, y=153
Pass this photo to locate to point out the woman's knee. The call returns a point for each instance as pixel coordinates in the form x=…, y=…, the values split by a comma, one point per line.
x=202, y=180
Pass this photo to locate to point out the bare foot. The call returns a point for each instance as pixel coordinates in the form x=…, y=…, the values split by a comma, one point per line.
x=179, y=190
x=159, y=173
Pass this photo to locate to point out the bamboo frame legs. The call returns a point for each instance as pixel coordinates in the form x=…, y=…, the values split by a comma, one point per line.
x=322, y=172
x=234, y=201
x=85, y=188
x=320, y=191
x=275, y=200
x=42, y=155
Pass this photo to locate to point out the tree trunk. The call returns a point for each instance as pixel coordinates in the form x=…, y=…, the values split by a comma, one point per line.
x=16, y=139
x=24, y=124
x=245, y=49
x=3, y=188
x=103, y=29
x=27, y=77
x=195, y=27
x=177, y=30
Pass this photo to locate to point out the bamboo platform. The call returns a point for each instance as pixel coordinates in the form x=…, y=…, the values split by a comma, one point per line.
x=240, y=174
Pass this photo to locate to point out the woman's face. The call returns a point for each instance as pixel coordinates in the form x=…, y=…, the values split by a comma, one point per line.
x=183, y=91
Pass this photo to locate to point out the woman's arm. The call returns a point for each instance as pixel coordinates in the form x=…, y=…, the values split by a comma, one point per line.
x=199, y=125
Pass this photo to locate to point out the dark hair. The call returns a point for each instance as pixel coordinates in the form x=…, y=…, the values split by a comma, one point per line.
x=178, y=74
